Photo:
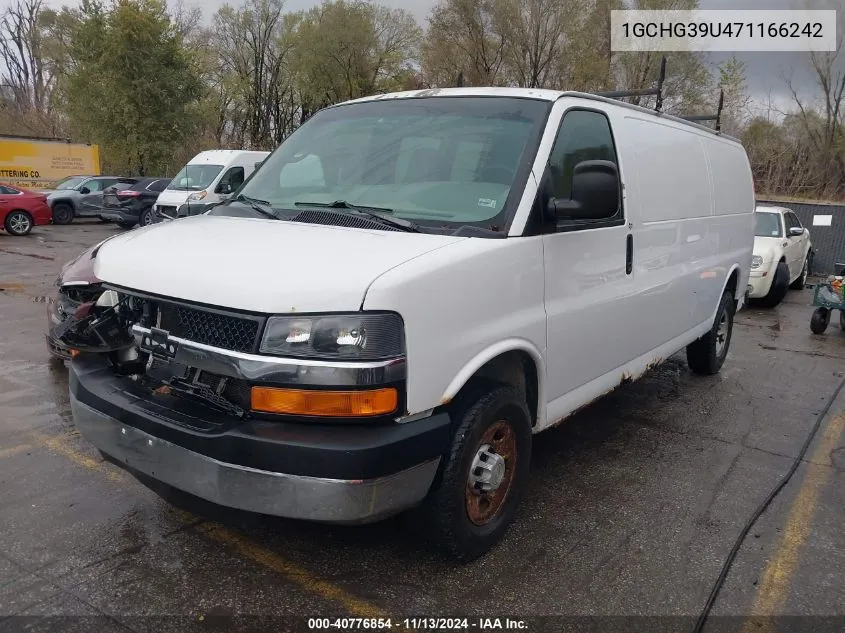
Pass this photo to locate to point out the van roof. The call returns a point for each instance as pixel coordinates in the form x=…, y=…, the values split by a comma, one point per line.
x=216, y=156
x=526, y=93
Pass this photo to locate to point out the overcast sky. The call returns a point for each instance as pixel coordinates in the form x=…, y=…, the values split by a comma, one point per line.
x=765, y=72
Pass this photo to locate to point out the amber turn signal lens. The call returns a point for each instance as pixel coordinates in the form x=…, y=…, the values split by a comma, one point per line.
x=74, y=353
x=324, y=403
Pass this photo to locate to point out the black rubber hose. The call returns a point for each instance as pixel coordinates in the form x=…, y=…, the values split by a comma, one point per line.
x=720, y=581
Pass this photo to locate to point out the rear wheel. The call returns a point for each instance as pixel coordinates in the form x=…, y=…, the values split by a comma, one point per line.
x=146, y=217
x=18, y=223
x=799, y=283
x=485, y=473
x=62, y=213
x=707, y=355
x=780, y=284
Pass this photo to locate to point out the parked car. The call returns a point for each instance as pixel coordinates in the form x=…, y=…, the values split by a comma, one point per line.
x=781, y=255
x=83, y=196
x=133, y=205
x=208, y=179
x=21, y=209
x=407, y=291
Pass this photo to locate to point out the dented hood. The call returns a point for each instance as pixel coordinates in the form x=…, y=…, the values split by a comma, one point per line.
x=258, y=265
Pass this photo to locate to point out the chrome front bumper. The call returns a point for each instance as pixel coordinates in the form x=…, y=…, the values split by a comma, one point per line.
x=293, y=496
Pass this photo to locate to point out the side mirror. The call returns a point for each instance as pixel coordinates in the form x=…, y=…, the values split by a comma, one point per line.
x=224, y=188
x=796, y=231
x=84, y=191
x=595, y=193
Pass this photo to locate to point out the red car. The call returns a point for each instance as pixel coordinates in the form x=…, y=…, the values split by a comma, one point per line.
x=20, y=210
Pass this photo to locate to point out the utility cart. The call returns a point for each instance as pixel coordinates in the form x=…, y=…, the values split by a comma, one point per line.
x=827, y=297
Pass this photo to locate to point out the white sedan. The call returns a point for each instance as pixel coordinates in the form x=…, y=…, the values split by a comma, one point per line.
x=781, y=254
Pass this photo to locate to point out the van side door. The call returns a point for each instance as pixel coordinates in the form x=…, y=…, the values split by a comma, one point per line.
x=587, y=271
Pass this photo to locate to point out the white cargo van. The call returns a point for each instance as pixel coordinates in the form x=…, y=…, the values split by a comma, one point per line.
x=409, y=290
x=208, y=178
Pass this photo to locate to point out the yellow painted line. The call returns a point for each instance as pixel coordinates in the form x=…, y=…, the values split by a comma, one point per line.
x=293, y=572
x=774, y=588
x=14, y=450
x=239, y=543
x=59, y=446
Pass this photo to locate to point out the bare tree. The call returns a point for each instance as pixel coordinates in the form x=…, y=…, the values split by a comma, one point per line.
x=27, y=80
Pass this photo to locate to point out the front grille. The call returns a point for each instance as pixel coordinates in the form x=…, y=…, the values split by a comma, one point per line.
x=166, y=210
x=238, y=334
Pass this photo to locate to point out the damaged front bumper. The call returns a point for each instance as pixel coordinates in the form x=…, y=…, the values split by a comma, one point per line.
x=329, y=472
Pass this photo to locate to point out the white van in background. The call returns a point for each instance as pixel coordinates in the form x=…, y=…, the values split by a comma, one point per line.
x=208, y=179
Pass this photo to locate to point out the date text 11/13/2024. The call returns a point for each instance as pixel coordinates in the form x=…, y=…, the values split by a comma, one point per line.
x=418, y=624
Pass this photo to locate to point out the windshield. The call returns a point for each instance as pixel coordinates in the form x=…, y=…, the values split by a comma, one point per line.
x=768, y=225
x=195, y=177
x=69, y=183
x=436, y=160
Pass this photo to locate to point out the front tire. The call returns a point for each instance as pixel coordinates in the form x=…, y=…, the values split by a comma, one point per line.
x=780, y=284
x=62, y=213
x=707, y=355
x=18, y=223
x=799, y=283
x=485, y=473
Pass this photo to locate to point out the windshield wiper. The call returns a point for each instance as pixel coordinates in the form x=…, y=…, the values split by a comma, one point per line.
x=261, y=206
x=377, y=213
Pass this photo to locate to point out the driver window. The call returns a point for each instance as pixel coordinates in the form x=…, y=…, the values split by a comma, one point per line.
x=583, y=135
x=92, y=185
x=234, y=178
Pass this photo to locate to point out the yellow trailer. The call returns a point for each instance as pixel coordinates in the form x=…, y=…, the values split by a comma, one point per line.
x=39, y=163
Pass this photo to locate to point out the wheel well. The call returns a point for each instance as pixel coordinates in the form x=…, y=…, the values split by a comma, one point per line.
x=66, y=201
x=515, y=368
x=733, y=280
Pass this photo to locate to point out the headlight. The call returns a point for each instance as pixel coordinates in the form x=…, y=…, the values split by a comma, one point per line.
x=199, y=195
x=364, y=336
x=756, y=261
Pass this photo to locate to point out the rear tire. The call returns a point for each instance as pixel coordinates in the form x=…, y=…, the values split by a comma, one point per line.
x=820, y=320
x=18, y=223
x=146, y=218
x=707, y=355
x=780, y=284
x=469, y=516
x=799, y=283
x=62, y=213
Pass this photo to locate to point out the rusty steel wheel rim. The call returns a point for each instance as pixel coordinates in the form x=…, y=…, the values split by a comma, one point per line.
x=491, y=473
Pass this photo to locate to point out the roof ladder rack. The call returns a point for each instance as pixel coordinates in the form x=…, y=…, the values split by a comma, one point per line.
x=700, y=118
x=648, y=92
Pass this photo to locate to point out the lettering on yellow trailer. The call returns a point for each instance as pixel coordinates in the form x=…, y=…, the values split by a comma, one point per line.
x=35, y=163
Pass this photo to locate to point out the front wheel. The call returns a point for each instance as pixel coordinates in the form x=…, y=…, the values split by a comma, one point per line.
x=485, y=473
x=707, y=355
x=799, y=283
x=780, y=284
x=18, y=223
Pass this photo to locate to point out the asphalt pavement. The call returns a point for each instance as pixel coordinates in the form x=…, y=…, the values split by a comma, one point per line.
x=632, y=508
